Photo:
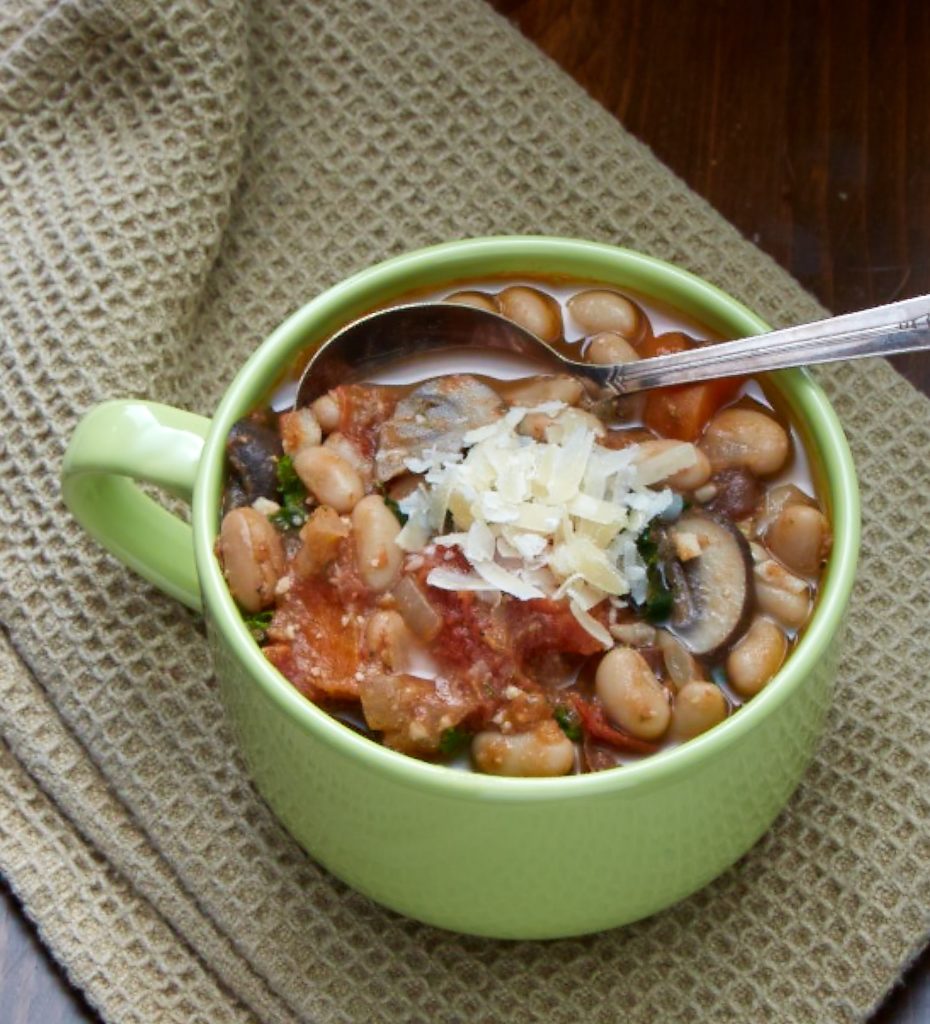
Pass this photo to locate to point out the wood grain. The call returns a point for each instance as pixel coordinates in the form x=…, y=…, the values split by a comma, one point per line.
x=804, y=123
x=33, y=988
x=807, y=125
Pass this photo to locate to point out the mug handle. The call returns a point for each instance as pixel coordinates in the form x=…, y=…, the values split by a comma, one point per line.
x=115, y=445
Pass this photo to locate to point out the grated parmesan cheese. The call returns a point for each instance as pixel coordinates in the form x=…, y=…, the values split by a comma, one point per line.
x=555, y=518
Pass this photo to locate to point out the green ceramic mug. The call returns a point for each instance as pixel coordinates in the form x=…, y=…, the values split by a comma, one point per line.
x=515, y=858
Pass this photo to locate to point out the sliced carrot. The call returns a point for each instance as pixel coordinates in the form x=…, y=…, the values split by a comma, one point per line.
x=682, y=412
x=666, y=344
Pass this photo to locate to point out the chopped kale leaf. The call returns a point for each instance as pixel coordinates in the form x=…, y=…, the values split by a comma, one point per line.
x=453, y=740
x=401, y=516
x=569, y=722
x=659, y=599
x=293, y=512
x=289, y=482
x=257, y=624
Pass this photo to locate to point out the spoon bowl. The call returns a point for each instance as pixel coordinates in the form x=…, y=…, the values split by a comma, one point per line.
x=402, y=333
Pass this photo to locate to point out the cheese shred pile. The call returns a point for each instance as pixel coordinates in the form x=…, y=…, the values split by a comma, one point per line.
x=543, y=519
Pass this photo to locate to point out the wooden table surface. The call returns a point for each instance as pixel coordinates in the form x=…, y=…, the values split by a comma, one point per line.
x=806, y=124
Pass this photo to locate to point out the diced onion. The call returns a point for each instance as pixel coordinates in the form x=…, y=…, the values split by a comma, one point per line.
x=416, y=609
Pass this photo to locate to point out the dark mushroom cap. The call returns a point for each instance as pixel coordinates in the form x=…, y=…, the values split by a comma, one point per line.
x=252, y=452
x=719, y=584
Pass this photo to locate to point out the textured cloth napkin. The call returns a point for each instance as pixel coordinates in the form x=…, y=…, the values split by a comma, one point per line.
x=175, y=178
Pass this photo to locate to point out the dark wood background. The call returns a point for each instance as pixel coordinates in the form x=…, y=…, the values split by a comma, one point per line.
x=807, y=124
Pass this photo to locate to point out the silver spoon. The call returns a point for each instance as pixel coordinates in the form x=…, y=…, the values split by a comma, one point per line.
x=385, y=337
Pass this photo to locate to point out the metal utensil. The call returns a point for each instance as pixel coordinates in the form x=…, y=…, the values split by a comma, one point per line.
x=361, y=348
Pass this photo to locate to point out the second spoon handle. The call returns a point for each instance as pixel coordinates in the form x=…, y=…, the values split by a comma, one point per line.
x=882, y=331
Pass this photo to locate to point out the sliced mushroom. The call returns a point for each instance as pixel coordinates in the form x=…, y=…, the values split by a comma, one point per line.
x=719, y=585
x=252, y=450
x=684, y=609
x=435, y=416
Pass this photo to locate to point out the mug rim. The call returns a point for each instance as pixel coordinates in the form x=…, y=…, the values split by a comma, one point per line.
x=804, y=394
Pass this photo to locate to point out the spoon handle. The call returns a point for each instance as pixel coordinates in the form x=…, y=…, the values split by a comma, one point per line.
x=882, y=331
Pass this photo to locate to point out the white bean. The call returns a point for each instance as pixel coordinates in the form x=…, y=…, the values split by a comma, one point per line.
x=326, y=410
x=608, y=348
x=799, y=536
x=631, y=694
x=781, y=594
x=634, y=634
x=389, y=639
x=479, y=300
x=777, y=498
x=378, y=557
x=252, y=557
x=538, y=312
x=546, y=751
x=340, y=444
x=299, y=429
x=698, y=707
x=329, y=478
x=756, y=658
x=536, y=390
x=747, y=439
x=599, y=309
